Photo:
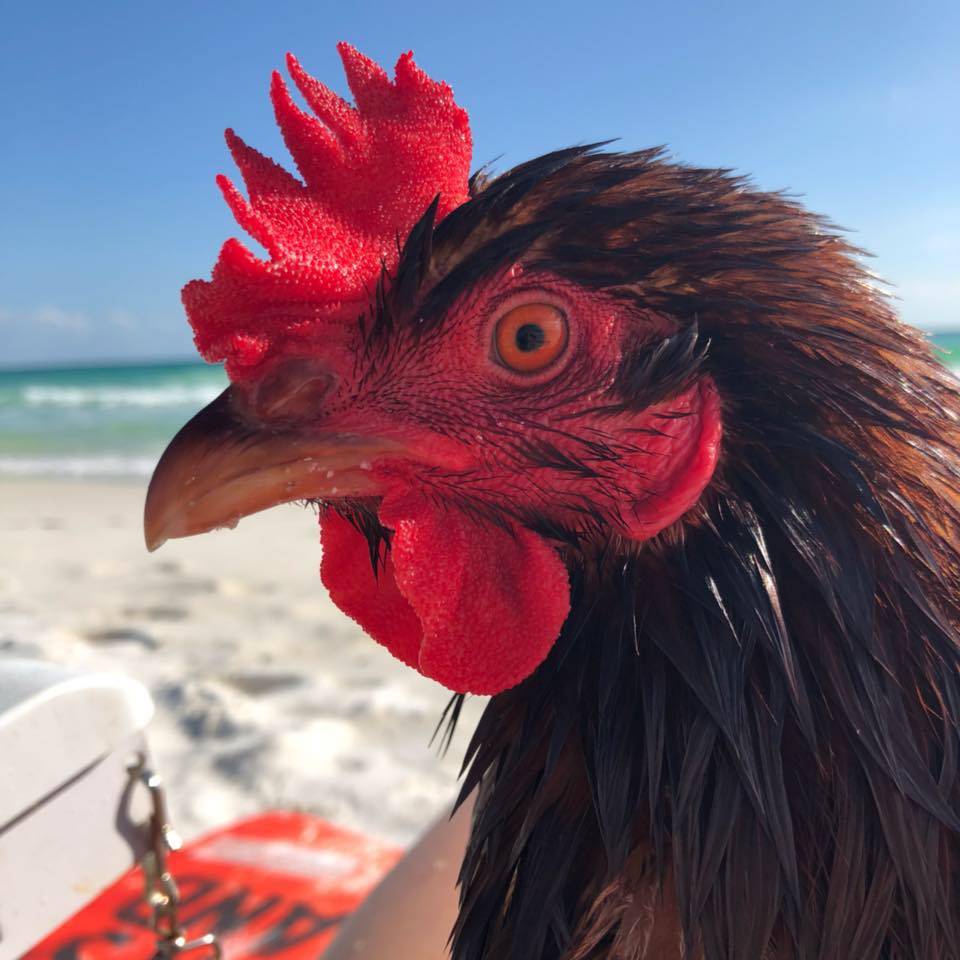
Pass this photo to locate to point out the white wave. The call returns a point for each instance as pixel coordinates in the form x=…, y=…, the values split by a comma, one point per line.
x=111, y=397
x=101, y=465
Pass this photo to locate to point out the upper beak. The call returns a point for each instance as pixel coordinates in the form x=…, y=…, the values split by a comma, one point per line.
x=226, y=464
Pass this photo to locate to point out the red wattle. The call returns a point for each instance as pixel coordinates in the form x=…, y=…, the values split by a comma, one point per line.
x=374, y=602
x=472, y=606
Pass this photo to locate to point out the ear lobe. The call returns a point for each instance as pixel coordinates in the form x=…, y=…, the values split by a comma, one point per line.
x=695, y=443
x=475, y=607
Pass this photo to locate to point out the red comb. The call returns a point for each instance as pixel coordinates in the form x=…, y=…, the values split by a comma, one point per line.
x=369, y=172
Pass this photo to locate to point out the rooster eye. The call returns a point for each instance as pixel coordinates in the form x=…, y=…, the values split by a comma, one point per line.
x=529, y=338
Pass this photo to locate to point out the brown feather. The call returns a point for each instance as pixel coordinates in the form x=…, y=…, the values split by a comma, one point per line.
x=746, y=740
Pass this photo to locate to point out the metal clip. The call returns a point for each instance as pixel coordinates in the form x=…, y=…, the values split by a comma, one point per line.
x=160, y=888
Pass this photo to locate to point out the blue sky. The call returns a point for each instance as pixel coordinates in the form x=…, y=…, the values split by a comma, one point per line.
x=111, y=120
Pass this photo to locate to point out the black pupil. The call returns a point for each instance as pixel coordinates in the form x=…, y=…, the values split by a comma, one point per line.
x=530, y=337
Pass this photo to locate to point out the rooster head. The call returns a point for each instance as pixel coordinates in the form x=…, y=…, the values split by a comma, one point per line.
x=457, y=371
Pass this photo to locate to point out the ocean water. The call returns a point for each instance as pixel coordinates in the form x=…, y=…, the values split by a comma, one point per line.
x=97, y=422
x=114, y=422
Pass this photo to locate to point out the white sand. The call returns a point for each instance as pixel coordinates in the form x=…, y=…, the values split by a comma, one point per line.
x=267, y=697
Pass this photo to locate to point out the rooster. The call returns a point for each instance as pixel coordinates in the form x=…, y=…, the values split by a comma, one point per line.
x=642, y=452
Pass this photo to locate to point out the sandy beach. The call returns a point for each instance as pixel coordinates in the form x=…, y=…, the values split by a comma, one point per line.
x=267, y=696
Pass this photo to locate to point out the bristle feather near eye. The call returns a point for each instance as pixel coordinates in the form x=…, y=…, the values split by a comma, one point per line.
x=654, y=372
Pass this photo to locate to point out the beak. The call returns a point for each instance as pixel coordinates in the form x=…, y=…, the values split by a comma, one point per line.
x=224, y=465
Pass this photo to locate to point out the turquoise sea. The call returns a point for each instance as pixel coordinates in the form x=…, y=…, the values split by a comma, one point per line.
x=97, y=422
x=112, y=422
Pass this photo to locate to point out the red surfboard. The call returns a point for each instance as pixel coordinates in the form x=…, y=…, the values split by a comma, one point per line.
x=275, y=886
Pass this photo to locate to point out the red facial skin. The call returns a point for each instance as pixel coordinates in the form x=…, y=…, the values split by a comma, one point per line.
x=468, y=421
x=470, y=594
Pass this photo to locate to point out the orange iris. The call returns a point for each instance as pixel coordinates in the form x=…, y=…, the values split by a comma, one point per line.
x=529, y=338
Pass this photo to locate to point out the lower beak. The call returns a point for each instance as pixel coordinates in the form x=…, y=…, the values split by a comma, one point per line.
x=221, y=467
